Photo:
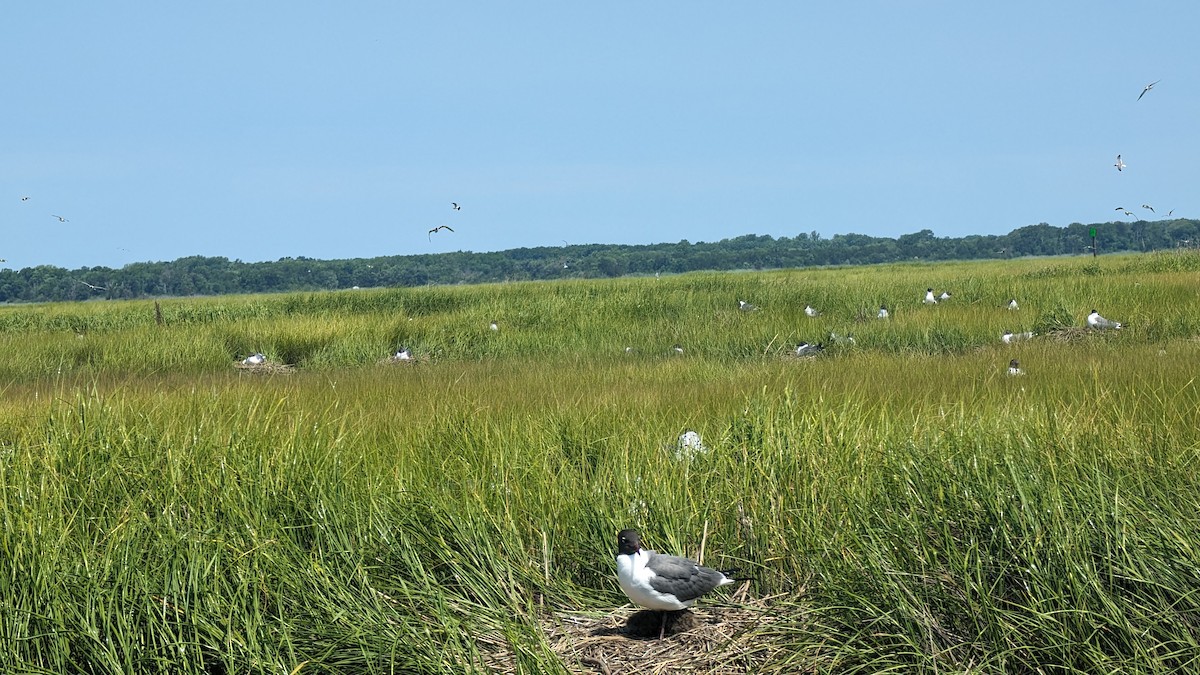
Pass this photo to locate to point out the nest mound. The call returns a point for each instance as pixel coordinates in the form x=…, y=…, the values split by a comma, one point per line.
x=1070, y=333
x=264, y=368
x=716, y=639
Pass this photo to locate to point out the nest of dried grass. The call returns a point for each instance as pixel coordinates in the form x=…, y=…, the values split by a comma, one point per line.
x=713, y=639
x=264, y=368
x=1070, y=333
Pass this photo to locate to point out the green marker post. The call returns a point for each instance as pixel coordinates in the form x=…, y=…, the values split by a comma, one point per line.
x=1092, y=232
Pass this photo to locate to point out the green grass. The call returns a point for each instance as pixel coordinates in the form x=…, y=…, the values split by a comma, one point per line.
x=904, y=504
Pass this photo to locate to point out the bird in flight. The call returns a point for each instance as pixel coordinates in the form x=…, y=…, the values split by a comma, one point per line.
x=94, y=288
x=25, y=198
x=1120, y=165
x=60, y=218
x=455, y=206
x=1127, y=212
x=439, y=227
x=1147, y=206
x=1147, y=88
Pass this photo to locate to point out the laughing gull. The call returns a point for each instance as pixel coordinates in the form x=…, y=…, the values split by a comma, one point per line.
x=677, y=348
x=745, y=306
x=847, y=339
x=1012, y=304
x=1147, y=206
x=1010, y=337
x=493, y=326
x=1014, y=368
x=25, y=198
x=929, y=299
x=255, y=359
x=455, y=206
x=665, y=583
x=1120, y=165
x=403, y=355
x=1094, y=320
x=436, y=229
x=883, y=313
x=1147, y=88
x=60, y=218
x=944, y=296
x=805, y=349
x=810, y=311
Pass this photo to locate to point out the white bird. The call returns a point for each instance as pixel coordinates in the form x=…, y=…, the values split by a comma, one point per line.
x=60, y=218
x=629, y=350
x=494, y=326
x=944, y=296
x=1010, y=337
x=678, y=348
x=1098, y=322
x=1148, y=88
x=810, y=311
x=836, y=339
x=1012, y=304
x=666, y=583
x=883, y=313
x=745, y=306
x=1014, y=368
x=806, y=349
x=1120, y=165
x=1147, y=206
x=92, y=286
x=255, y=359
x=929, y=299
x=689, y=445
x=403, y=355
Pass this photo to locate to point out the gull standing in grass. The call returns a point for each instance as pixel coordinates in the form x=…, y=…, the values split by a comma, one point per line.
x=1014, y=368
x=689, y=445
x=746, y=307
x=883, y=312
x=810, y=311
x=1012, y=304
x=1098, y=322
x=665, y=583
x=403, y=355
x=944, y=296
x=1010, y=337
x=929, y=299
x=677, y=348
x=493, y=326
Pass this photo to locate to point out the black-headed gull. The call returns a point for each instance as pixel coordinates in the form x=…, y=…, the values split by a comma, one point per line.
x=1014, y=368
x=403, y=354
x=806, y=349
x=255, y=359
x=810, y=311
x=666, y=583
x=883, y=312
x=436, y=229
x=1010, y=337
x=1012, y=304
x=745, y=306
x=1094, y=320
x=1120, y=165
x=455, y=206
x=929, y=299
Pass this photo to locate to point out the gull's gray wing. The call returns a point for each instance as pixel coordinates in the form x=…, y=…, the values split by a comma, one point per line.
x=681, y=577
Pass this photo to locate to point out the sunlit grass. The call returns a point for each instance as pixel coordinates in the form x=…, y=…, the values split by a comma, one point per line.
x=905, y=503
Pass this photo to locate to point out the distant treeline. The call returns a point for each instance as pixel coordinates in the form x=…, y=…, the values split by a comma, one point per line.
x=197, y=275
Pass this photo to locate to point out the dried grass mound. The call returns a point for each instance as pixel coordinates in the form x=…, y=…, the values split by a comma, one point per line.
x=1070, y=333
x=267, y=368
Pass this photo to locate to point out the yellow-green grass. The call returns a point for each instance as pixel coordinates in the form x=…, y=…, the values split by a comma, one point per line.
x=904, y=503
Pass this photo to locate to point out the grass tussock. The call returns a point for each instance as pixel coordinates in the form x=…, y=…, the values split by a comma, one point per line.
x=902, y=503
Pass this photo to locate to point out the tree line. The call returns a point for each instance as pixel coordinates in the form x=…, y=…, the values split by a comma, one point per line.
x=199, y=275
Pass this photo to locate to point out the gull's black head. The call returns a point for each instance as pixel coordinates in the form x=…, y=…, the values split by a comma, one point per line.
x=628, y=542
x=1014, y=364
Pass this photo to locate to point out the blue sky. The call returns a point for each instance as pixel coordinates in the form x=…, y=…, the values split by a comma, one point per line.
x=258, y=130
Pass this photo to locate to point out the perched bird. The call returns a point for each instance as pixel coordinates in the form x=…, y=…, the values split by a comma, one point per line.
x=1120, y=165
x=1148, y=88
x=1098, y=322
x=494, y=326
x=847, y=339
x=661, y=582
x=810, y=311
x=1010, y=337
x=255, y=359
x=677, y=348
x=629, y=350
x=455, y=206
x=745, y=306
x=1014, y=368
x=806, y=349
x=60, y=218
x=929, y=299
x=883, y=313
x=439, y=227
x=403, y=355
x=944, y=296
x=1012, y=304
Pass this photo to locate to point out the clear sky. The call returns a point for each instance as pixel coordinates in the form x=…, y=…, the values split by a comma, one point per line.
x=259, y=130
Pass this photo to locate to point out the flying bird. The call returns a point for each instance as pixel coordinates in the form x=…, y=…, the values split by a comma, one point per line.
x=1120, y=165
x=1147, y=206
x=25, y=198
x=60, y=218
x=665, y=583
x=94, y=288
x=1098, y=322
x=439, y=227
x=455, y=206
x=1148, y=88
x=1127, y=212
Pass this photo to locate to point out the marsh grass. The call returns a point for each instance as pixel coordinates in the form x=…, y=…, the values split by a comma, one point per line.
x=902, y=504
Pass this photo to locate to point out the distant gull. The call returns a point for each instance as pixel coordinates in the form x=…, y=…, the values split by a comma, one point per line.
x=689, y=445
x=929, y=299
x=1120, y=165
x=944, y=296
x=1012, y=304
x=745, y=306
x=678, y=348
x=847, y=339
x=1010, y=337
x=494, y=326
x=1147, y=206
x=91, y=286
x=455, y=206
x=1014, y=368
x=1128, y=213
x=255, y=359
x=25, y=198
x=661, y=582
x=1148, y=88
x=810, y=311
x=439, y=227
x=60, y=218
x=883, y=313
x=806, y=349
x=403, y=355
x=1094, y=320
